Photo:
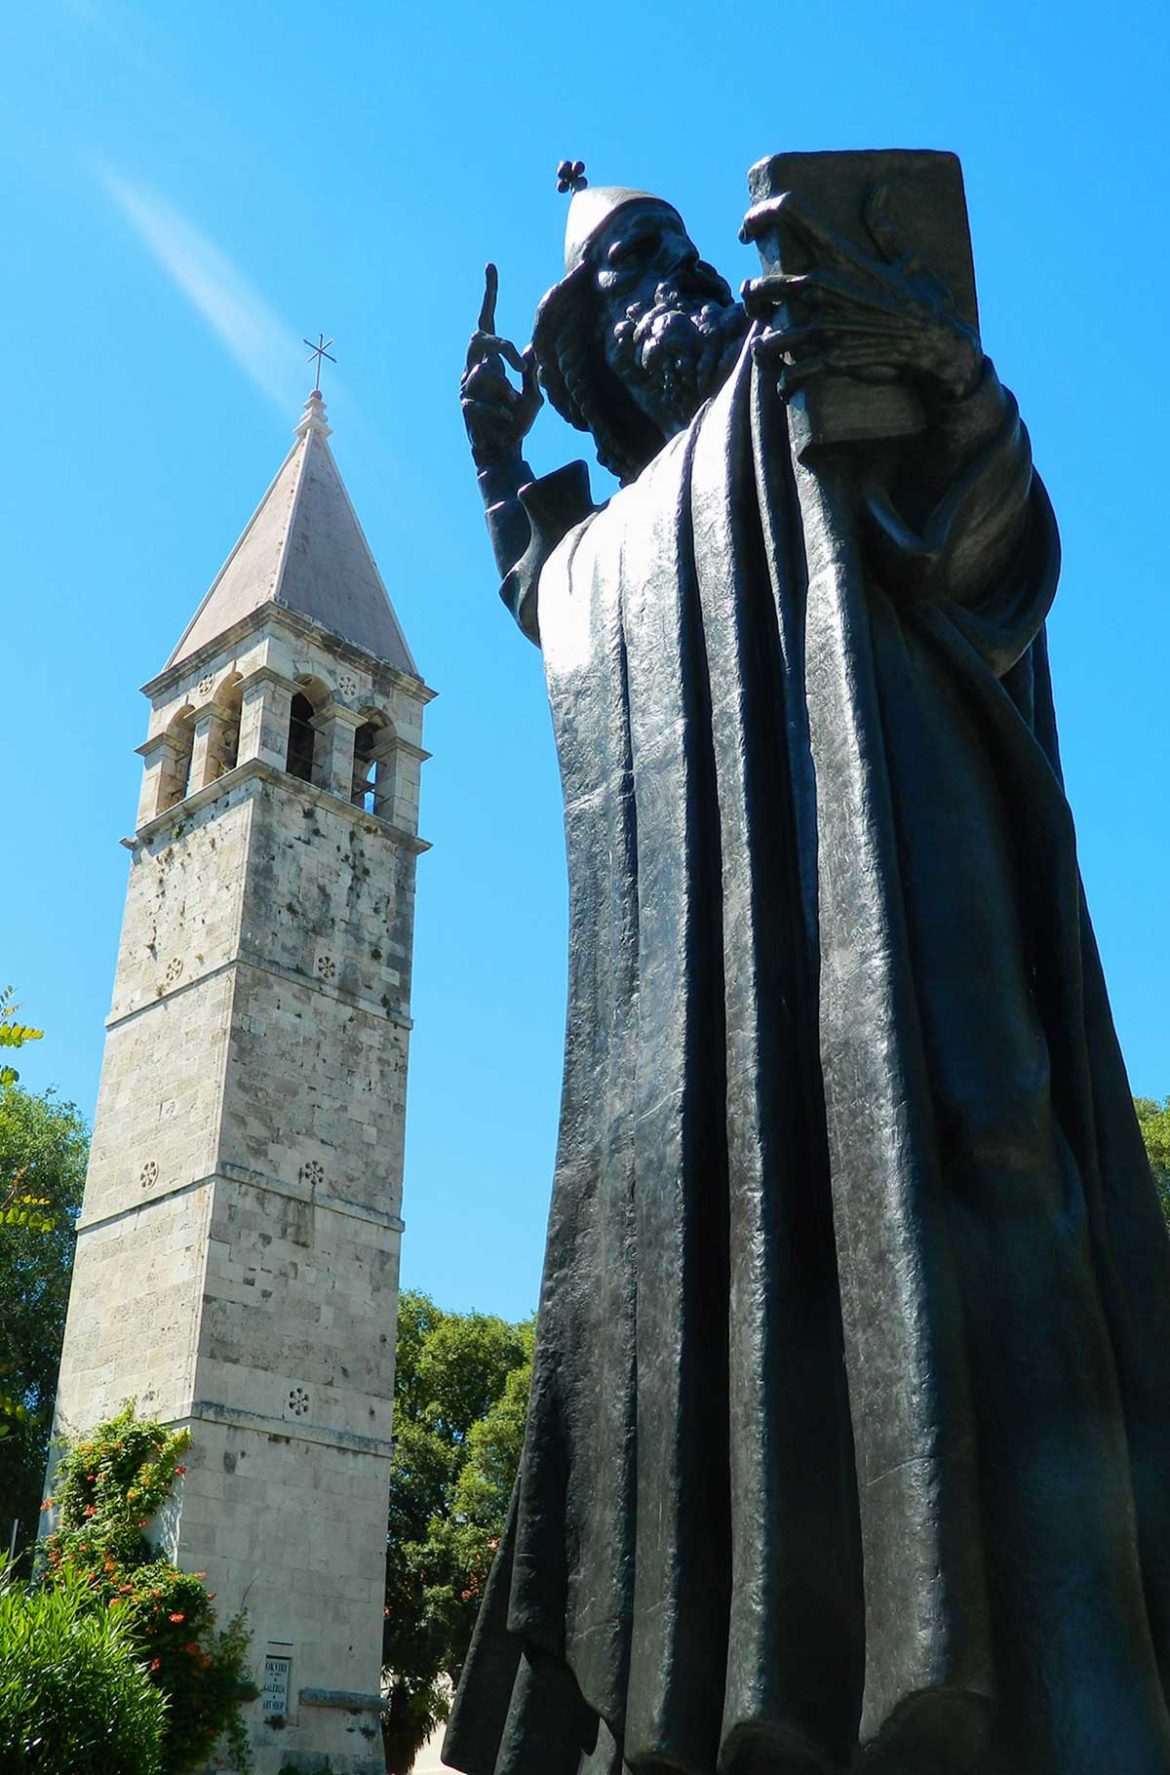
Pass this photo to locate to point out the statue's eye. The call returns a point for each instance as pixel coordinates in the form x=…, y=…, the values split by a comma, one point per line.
x=625, y=253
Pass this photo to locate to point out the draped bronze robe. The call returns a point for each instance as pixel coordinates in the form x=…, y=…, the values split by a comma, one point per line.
x=849, y=1436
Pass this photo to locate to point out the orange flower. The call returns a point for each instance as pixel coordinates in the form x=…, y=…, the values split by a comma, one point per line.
x=180, y=1471
x=154, y=1663
x=178, y=1617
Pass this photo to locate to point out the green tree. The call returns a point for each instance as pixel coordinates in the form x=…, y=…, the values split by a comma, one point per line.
x=1154, y=1121
x=44, y=1144
x=460, y=1400
x=43, y=1148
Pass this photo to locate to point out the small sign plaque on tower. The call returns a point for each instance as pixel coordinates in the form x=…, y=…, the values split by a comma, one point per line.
x=274, y=1695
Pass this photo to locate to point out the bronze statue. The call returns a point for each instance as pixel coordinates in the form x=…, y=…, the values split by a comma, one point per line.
x=849, y=1439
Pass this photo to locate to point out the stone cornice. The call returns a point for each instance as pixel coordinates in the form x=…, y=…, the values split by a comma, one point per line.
x=337, y=712
x=247, y=958
x=212, y=1411
x=159, y=742
x=267, y=675
x=350, y=1700
x=268, y=773
x=257, y=1180
x=295, y=623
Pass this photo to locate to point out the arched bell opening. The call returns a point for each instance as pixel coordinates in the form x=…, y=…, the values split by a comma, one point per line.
x=304, y=737
x=225, y=735
x=175, y=776
x=373, y=765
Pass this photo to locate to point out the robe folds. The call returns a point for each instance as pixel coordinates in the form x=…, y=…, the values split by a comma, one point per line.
x=849, y=1436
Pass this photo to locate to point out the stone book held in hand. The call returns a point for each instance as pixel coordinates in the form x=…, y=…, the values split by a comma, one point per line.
x=927, y=209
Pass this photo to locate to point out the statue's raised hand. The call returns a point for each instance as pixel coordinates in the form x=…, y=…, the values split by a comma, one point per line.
x=497, y=415
x=885, y=318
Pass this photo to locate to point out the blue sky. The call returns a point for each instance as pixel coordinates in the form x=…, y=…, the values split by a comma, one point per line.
x=187, y=190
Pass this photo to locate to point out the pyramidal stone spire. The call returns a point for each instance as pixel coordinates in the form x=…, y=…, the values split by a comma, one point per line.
x=303, y=548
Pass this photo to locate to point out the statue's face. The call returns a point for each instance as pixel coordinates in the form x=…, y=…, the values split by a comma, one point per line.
x=668, y=324
x=642, y=245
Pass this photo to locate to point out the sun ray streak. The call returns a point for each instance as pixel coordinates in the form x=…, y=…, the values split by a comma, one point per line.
x=246, y=325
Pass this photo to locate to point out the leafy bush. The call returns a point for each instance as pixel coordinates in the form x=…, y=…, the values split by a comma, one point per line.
x=109, y=1485
x=74, y=1694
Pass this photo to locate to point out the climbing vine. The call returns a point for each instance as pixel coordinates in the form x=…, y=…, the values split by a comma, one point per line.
x=110, y=1485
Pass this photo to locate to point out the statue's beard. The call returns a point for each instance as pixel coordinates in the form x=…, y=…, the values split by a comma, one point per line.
x=675, y=352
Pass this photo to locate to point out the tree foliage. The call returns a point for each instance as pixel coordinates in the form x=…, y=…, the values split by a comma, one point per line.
x=109, y=1485
x=13, y=1034
x=460, y=1399
x=74, y=1693
x=44, y=1145
x=1154, y=1121
x=43, y=1150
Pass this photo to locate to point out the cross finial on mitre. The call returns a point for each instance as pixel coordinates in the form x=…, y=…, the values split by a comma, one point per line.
x=571, y=176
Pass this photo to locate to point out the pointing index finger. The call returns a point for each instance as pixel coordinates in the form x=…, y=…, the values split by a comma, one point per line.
x=487, y=313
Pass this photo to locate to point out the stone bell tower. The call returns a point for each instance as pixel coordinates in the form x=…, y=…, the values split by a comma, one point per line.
x=237, y=1254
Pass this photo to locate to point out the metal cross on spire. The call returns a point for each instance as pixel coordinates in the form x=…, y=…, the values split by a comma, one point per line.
x=318, y=351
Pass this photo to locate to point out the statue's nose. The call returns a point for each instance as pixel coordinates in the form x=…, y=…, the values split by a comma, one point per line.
x=678, y=263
